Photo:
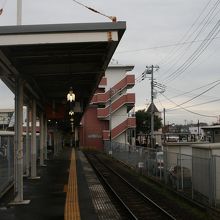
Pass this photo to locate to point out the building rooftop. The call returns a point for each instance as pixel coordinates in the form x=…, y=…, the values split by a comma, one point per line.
x=149, y=108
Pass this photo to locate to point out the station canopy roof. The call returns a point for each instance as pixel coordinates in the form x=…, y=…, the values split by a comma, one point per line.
x=52, y=58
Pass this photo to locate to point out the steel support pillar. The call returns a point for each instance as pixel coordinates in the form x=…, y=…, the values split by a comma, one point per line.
x=33, y=143
x=76, y=137
x=45, y=139
x=27, y=165
x=42, y=139
x=18, y=159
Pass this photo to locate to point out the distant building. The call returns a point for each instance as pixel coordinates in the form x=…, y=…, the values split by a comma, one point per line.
x=157, y=133
x=5, y=117
x=11, y=120
x=211, y=133
x=196, y=131
x=107, y=117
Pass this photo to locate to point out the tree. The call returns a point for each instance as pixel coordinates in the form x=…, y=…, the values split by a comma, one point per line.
x=143, y=122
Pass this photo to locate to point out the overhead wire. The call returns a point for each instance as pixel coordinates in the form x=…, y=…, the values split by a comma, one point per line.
x=162, y=46
x=198, y=88
x=194, y=56
x=207, y=20
x=209, y=116
x=207, y=90
x=199, y=104
x=185, y=38
x=204, y=44
x=190, y=92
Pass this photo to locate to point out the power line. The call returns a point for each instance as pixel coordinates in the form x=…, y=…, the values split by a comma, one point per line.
x=197, y=95
x=207, y=40
x=164, y=46
x=195, y=89
x=199, y=104
x=209, y=116
x=195, y=55
x=185, y=35
x=207, y=21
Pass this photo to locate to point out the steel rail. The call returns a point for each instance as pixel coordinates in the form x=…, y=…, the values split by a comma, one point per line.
x=130, y=185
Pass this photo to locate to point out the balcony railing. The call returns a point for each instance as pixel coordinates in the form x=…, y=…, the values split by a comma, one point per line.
x=127, y=82
x=127, y=99
x=128, y=123
x=103, y=82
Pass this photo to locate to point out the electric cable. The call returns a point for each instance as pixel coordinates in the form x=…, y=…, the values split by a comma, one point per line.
x=173, y=52
x=194, y=56
x=209, y=19
x=209, y=116
x=197, y=95
x=199, y=104
x=163, y=46
x=195, y=89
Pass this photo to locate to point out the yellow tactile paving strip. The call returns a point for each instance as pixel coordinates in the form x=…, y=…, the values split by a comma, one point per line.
x=72, y=206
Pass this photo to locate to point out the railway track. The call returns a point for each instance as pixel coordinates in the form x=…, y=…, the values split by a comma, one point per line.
x=136, y=204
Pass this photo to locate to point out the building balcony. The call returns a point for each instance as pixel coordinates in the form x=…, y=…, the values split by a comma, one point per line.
x=127, y=82
x=127, y=99
x=103, y=82
x=128, y=123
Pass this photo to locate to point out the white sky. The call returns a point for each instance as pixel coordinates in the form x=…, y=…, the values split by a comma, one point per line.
x=150, y=24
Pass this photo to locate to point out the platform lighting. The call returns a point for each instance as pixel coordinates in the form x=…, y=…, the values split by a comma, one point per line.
x=71, y=112
x=71, y=119
x=71, y=96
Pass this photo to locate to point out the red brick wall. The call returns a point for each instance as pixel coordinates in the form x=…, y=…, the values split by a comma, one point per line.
x=91, y=129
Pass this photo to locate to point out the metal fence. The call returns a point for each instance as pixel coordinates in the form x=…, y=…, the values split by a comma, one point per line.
x=7, y=159
x=196, y=178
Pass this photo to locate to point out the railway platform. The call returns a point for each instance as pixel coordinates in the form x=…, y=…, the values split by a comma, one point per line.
x=67, y=189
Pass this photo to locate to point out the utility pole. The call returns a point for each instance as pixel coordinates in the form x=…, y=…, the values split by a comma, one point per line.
x=19, y=12
x=150, y=70
x=164, y=117
x=164, y=124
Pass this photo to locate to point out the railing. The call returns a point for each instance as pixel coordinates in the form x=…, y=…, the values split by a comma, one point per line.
x=123, y=100
x=103, y=82
x=194, y=177
x=128, y=123
x=127, y=82
x=7, y=159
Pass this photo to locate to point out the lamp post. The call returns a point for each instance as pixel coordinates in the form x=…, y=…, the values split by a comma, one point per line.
x=71, y=98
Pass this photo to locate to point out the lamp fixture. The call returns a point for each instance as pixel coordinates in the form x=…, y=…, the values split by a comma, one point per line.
x=71, y=112
x=71, y=96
